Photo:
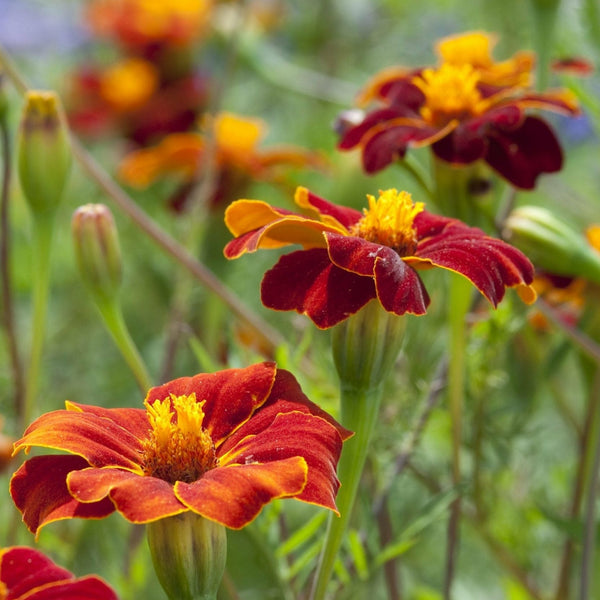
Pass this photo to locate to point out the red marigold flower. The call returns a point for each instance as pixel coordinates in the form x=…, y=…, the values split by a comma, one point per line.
x=221, y=445
x=27, y=574
x=349, y=257
x=468, y=108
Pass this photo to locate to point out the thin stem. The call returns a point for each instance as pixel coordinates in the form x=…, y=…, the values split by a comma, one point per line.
x=115, y=323
x=410, y=165
x=459, y=303
x=589, y=532
x=360, y=409
x=269, y=337
x=8, y=318
x=390, y=568
x=43, y=231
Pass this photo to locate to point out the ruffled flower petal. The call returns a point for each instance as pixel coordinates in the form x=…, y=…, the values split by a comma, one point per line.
x=140, y=499
x=234, y=395
x=306, y=281
x=39, y=490
x=234, y=495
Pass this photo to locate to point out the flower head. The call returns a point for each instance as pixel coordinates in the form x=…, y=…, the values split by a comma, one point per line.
x=349, y=258
x=239, y=159
x=467, y=108
x=221, y=445
x=27, y=574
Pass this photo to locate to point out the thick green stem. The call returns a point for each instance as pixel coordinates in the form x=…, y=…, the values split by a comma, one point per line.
x=43, y=231
x=544, y=12
x=365, y=347
x=460, y=300
x=115, y=323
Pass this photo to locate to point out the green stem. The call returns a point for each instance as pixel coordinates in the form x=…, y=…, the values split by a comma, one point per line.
x=115, y=323
x=43, y=231
x=544, y=12
x=459, y=302
x=360, y=409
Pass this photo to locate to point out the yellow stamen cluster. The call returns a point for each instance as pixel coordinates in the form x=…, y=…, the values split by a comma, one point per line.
x=178, y=449
x=472, y=48
x=450, y=93
x=129, y=83
x=389, y=221
x=593, y=236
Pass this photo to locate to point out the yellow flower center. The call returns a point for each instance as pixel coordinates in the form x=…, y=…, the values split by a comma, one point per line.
x=129, y=83
x=593, y=236
x=389, y=221
x=472, y=48
x=450, y=93
x=178, y=448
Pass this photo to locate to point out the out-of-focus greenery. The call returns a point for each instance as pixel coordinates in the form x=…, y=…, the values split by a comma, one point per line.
x=525, y=399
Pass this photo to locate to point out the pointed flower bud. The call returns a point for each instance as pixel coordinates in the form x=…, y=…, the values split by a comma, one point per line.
x=189, y=554
x=551, y=244
x=44, y=155
x=97, y=250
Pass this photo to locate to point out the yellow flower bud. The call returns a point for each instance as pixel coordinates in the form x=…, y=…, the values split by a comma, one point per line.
x=44, y=154
x=97, y=250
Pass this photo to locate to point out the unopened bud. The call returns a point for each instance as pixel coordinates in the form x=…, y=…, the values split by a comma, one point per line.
x=551, y=244
x=189, y=554
x=97, y=250
x=44, y=156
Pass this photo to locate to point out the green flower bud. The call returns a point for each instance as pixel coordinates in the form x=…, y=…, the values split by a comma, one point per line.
x=189, y=554
x=44, y=154
x=97, y=250
x=551, y=244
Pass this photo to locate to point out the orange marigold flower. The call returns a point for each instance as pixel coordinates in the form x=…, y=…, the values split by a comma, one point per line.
x=349, y=258
x=144, y=22
x=129, y=83
x=221, y=445
x=27, y=574
x=468, y=108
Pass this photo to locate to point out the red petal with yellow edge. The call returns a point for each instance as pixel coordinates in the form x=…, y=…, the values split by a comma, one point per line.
x=232, y=395
x=139, y=498
x=243, y=216
x=490, y=264
x=353, y=136
x=306, y=281
x=398, y=286
x=288, y=230
x=101, y=441
x=344, y=216
x=522, y=155
x=296, y=434
x=23, y=569
x=39, y=490
x=134, y=420
x=27, y=571
x=235, y=494
x=86, y=588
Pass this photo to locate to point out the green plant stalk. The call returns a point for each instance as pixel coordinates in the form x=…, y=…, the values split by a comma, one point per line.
x=43, y=232
x=112, y=314
x=359, y=412
x=544, y=13
x=459, y=303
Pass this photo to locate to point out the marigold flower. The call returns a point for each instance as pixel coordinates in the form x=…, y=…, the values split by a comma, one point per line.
x=221, y=445
x=349, y=258
x=27, y=574
x=468, y=108
x=235, y=143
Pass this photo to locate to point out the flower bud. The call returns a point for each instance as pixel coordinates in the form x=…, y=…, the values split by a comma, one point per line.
x=189, y=554
x=551, y=244
x=97, y=250
x=44, y=155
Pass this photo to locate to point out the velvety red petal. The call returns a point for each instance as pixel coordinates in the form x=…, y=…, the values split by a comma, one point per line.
x=428, y=224
x=520, y=156
x=399, y=288
x=490, y=264
x=353, y=136
x=231, y=395
x=39, y=490
x=134, y=420
x=86, y=588
x=23, y=569
x=234, y=495
x=101, y=441
x=139, y=498
x=296, y=434
x=306, y=281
